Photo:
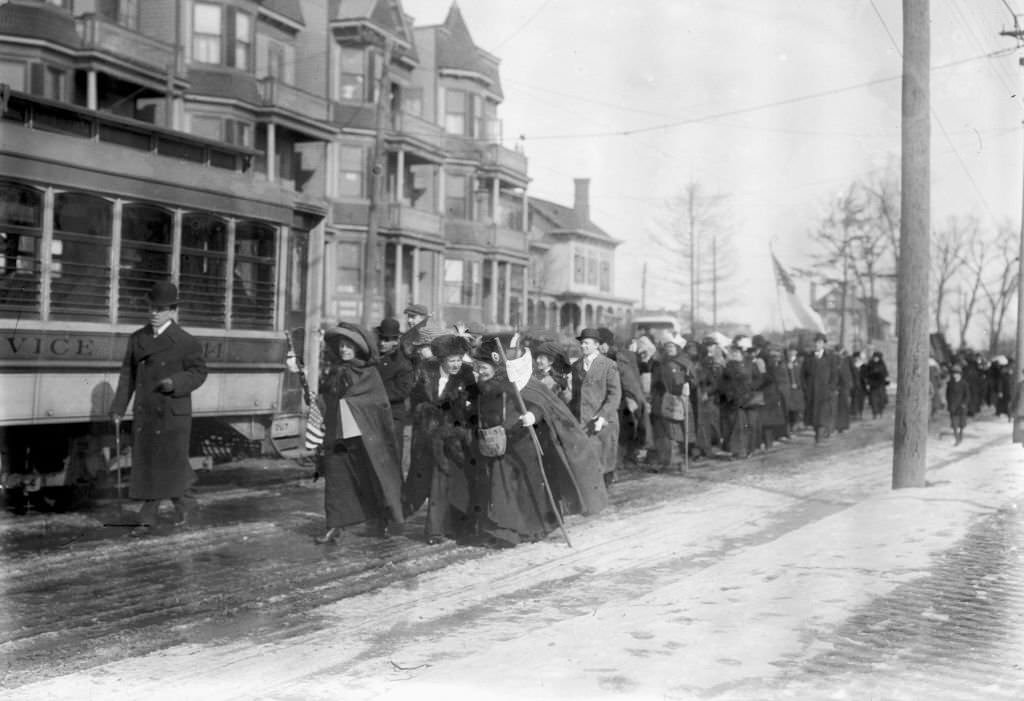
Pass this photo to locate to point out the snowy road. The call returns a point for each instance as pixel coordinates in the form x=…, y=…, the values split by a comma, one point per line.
x=733, y=582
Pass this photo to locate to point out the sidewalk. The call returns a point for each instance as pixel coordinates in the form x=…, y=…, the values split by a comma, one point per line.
x=805, y=580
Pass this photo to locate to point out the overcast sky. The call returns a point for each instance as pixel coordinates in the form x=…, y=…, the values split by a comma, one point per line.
x=578, y=73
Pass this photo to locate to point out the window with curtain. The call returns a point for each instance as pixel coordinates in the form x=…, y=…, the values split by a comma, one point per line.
x=352, y=171
x=202, y=281
x=350, y=267
x=21, y=229
x=456, y=202
x=455, y=112
x=243, y=41
x=80, y=257
x=352, y=74
x=146, y=233
x=254, y=283
x=207, y=32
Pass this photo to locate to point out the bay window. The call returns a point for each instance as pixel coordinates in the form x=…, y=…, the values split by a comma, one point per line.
x=352, y=171
x=352, y=74
x=207, y=30
x=456, y=202
x=455, y=112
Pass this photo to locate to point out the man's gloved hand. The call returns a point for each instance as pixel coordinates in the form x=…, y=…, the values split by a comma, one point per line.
x=528, y=419
x=165, y=385
x=599, y=423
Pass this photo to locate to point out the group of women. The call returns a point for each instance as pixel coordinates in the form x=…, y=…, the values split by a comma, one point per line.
x=496, y=456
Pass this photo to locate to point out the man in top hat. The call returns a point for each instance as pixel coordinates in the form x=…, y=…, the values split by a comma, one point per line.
x=162, y=366
x=397, y=373
x=820, y=380
x=416, y=318
x=596, y=393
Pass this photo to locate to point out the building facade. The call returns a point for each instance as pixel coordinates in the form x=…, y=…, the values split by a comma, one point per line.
x=572, y=268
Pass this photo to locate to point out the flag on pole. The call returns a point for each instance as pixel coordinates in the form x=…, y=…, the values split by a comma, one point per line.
x=794, y=309
x=314, y=437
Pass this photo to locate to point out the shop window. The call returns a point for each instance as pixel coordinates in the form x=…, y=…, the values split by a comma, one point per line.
x=20, y=234
x=254, y=282
x=80, y=257
x=352, y=171
x=146, y=233
x=202, y=279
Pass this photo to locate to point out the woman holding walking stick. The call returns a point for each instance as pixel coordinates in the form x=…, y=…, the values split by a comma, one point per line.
x=527, y=484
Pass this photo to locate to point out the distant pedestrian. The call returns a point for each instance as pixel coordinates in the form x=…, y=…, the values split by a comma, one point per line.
x=858, y=393
x=162, y=366
x=416, y=316
x=820, y=383
x=795, y=400
x=876, y=377
x=957, y=396
x=673, y=422
x=361, y=468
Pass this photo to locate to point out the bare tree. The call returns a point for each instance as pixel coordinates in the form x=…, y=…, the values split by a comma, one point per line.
x=1001, y=290
x=947, y=260
x=977, y=254
x=695, y=245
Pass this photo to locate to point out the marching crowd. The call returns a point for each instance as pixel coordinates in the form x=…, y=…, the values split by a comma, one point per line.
x=504, y=441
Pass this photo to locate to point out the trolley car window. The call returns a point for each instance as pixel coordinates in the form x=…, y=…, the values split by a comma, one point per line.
x=80, y=257
x=254, y=276
x=203, y=272
x=145, y=257
x=20, y=235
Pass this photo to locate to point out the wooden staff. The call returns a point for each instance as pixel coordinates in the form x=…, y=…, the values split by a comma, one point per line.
x=537, y=447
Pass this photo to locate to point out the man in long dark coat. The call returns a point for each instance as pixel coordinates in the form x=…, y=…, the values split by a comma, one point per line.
x=596, y=393
x=820, y=381
x=396, y=372
x=162, y=366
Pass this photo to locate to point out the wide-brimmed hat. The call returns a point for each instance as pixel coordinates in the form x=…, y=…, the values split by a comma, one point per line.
x=676, y=340
x=352, y=333
x=590, y=333
x=559, y=359
x=449, y=344
x=486, y=351
x=742, y=342
x=417, y=309
x=820, y=337
x=389, y=328
x=163, y=294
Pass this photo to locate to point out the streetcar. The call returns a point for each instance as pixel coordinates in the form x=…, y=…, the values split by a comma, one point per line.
x=94, y=209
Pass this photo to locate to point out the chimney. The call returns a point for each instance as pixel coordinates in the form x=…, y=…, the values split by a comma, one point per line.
x=582, y=203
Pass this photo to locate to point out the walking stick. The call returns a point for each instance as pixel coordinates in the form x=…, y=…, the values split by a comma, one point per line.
x=536, y=447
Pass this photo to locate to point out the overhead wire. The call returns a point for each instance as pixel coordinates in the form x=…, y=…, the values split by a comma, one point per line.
x=938, y=121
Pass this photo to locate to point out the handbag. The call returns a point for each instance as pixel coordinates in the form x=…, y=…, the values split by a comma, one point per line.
x=673, y=407
x=492, y=441
x=754, y=400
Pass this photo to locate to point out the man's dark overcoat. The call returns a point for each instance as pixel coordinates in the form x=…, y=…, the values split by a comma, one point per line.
x=161, y=422
x=396, y=372
x=820, y=380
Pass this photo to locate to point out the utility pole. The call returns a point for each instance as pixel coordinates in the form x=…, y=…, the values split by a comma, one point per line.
x=1018, y=34
x=691, y=196
x=371, y=262
x=912, y=402
x=643, y=288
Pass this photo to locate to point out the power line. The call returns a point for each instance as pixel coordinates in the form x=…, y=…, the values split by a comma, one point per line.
x=938, y=121
x=763, y=106
x=522, y=26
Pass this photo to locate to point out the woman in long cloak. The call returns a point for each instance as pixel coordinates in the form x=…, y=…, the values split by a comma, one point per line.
x=361, y=469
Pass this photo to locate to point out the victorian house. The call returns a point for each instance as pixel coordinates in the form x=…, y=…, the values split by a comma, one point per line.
x=572, y=268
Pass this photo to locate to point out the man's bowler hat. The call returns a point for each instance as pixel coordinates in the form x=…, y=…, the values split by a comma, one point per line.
x=163, y=294
x=589, y=333
x=388, y=329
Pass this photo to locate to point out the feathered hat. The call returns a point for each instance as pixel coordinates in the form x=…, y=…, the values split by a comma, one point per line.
x=449, y=344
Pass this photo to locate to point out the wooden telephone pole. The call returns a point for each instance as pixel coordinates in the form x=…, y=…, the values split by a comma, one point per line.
x=912, y=402
x=1018, y=34
x=378, y=173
